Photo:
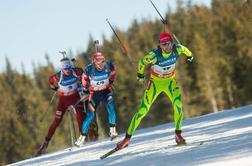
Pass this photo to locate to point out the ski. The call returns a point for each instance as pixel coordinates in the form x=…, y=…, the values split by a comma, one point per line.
x=191, y=143
x=169, y=146
x=187, y=144
x=109, y=153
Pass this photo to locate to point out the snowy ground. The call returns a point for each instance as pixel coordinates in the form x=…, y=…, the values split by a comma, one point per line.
x=227, y=140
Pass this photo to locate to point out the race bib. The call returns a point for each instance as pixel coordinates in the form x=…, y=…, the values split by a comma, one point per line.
x=68, y=86
x=164, y=70
x=100, y=85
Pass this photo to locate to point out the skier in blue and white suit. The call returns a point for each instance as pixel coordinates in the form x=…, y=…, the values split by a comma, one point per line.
x=97, y=79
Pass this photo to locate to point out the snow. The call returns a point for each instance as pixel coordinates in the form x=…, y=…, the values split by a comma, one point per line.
x=226, y=136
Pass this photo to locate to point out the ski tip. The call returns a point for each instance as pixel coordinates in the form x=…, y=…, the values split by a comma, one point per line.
x=109, y=153
x=102, y=157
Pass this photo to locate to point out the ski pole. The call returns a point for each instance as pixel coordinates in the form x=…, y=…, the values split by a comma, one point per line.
x=71, y=125
x=122, y=45
x=165, y=22
x=52, y=98
x=162, y=19
x=176, y=39
x=96, y=44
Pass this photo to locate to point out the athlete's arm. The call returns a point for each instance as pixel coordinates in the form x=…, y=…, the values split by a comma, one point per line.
x=85, y=80
x=53, y=81
x=183, y=50
x=150, y=58
x=112, y=72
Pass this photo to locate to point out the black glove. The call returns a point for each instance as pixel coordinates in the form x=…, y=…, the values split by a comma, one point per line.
x=190, y=58
x=55, y=88
x=165, y=22
x=111, y=81
x=140, y=77
x=86, y=91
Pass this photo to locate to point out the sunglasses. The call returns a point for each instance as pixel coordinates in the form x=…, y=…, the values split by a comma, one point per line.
x=67, y=69
x=102, y=62
x=167, y=44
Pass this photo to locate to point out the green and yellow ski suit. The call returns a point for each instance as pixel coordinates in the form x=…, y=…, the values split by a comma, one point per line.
x=162, y=79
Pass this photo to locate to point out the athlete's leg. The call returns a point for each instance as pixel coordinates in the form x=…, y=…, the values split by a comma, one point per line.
x=93, y=128
x=93, y=104
x=80, y=115
x=149, y=97
x=110, y=107
x=61, y=108
x=173, y=92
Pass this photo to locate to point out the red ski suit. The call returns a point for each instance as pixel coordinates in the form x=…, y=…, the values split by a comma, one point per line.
x=68, y=96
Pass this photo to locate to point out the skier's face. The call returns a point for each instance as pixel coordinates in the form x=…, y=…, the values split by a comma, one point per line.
x=66, y=67
x=67, y=72
x=166, y=47
x=100, y=64
x=99, y=61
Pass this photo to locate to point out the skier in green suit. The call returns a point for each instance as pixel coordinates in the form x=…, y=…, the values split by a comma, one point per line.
x=162, y=79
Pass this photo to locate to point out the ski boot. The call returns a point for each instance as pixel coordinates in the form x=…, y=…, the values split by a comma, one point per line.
x=80, y=141
x=42, y=148
x=112, y=133
x=178, y=138
x=124, y=143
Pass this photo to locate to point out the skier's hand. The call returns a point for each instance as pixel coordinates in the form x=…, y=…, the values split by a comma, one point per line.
x=111, y=81
x=86, y=91
x=190, y=58
x=84, y=97
x=165, y=22
x=55, y=88
x=140, y=77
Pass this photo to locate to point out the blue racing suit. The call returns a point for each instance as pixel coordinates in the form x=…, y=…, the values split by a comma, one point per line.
x=98, y=83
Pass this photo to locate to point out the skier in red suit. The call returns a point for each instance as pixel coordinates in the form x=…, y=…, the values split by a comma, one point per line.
x=68, y=84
